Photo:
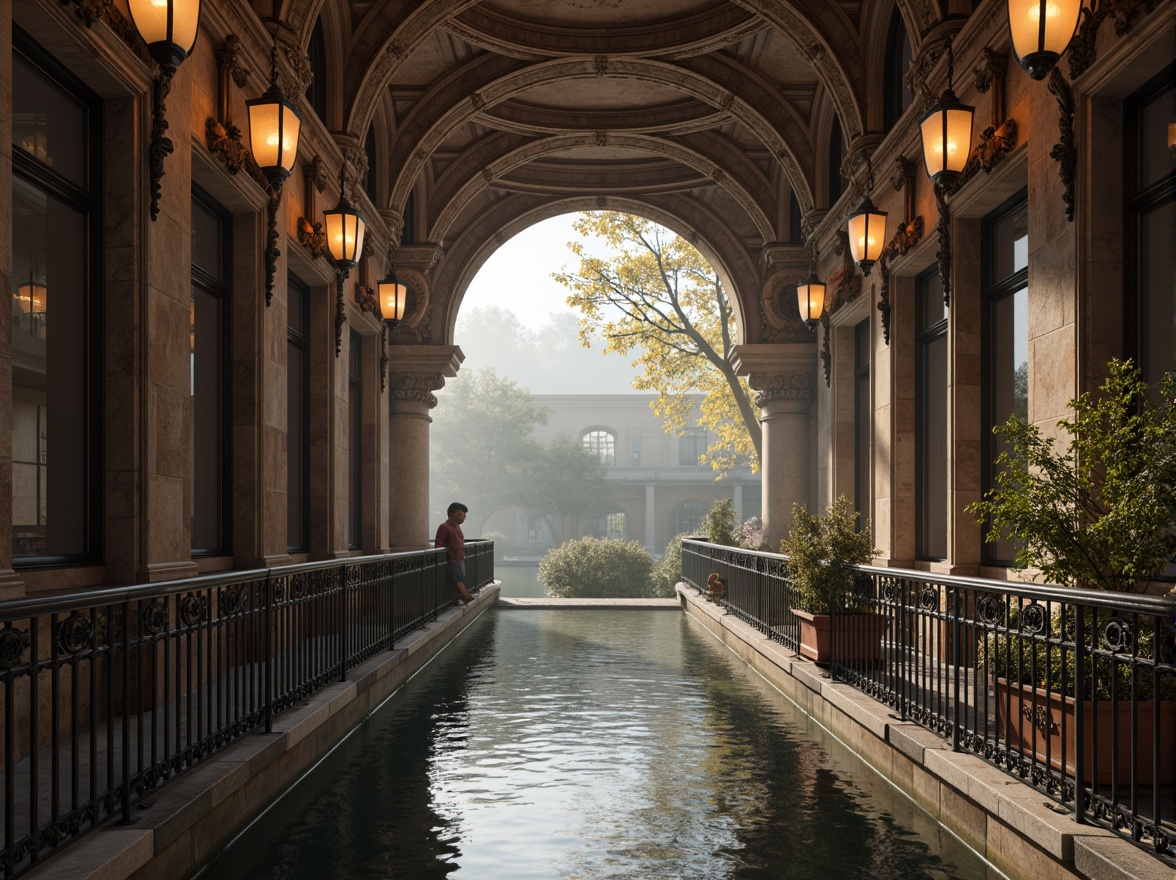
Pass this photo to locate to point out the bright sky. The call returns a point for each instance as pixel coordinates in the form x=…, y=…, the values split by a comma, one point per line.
x=518, y=275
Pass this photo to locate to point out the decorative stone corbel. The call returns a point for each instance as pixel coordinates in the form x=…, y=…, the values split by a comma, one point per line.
x=310, y=231
x=1064, y=152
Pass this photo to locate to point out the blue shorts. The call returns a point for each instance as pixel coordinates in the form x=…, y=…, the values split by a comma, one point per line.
x=455, y=573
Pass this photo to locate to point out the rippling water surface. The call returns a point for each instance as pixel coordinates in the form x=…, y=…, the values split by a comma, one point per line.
x=589, y=745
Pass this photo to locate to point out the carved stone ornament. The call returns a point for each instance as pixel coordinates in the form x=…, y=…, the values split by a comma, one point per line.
x=313, y=236
x=905, y=237
x=303, y=73
x=161, y=145
x=602, y=138
x=91, y=11
x=780, y=312
x=780, y=386
x=228, y=58
x=366, y=299
x=826, y=353
x=1064, y=152
x=315, y=173
x=918, y=73
x=1126, y=13
x=600, y=65
x=416, y=387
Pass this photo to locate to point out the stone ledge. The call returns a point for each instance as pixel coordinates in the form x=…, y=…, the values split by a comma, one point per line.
x=168, y=817
x=957, y=782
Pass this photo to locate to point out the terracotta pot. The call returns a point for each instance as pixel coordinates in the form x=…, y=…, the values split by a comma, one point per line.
x=1037, y=717
x=864, y=639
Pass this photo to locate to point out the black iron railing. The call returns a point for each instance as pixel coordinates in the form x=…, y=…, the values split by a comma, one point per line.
x=1072, y=691
x=108, y=694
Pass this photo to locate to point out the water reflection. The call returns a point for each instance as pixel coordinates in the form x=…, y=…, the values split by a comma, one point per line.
x=590, y=745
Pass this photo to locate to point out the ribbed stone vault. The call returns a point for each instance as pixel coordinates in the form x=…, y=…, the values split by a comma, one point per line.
x=709, y=116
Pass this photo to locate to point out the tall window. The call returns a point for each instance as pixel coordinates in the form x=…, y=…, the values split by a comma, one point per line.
x=603, y=445
x=298, y=418
x=861, y=420
x=56, y=366
x=355, y=457
x=1005, y=280
x=896, y=97
x=211, y=412
x=316, y=51
x=1151, y=216
x=931, y=418
x=691, y=446
x=610, y=526
x=635, y=450
x=836, y=157
x=686, y=518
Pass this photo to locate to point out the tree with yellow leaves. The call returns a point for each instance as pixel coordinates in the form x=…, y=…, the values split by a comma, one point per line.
x=658, y=299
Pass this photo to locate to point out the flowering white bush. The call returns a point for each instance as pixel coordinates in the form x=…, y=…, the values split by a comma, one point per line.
x=752, y=533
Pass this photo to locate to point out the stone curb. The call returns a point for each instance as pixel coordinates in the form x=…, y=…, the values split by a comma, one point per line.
x=169, y=820
x=1026, y=834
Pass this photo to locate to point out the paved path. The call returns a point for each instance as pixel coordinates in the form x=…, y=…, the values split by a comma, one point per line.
x=544, y=602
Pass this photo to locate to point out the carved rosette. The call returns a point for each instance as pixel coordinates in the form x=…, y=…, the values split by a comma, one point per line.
x=771, y=387
x=780, y=312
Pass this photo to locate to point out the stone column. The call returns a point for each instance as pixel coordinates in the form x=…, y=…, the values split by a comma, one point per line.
x=650, y=521
x=784, y=374
x=415, y=372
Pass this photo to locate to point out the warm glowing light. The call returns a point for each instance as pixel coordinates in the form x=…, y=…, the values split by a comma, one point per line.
x=168, y=27
x=1041, y=32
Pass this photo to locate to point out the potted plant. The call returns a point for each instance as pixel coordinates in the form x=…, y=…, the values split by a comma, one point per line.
x=820, y=551
x=1098, y=514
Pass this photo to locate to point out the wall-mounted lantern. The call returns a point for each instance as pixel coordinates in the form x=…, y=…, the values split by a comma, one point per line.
x=947, y=133
x=1041, y=32
x=169, y=29
x=867, y=229
x=810, y=294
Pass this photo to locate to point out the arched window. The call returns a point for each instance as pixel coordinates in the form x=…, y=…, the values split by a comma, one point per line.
x=611, y=526
x=686, y=518
x=896, y=97
x=316, y=92
x=836, y=157
x=602, y=444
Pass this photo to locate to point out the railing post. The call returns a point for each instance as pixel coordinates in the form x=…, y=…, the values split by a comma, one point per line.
x=267, y=662
x=343, y=622
x=956, y=634
x=126, y=713
x=1081, y=659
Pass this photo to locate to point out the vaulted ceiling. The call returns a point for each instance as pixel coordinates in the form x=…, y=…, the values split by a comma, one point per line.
x=706, y=115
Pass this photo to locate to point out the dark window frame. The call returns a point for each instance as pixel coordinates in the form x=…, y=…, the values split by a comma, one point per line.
x=692, y=440
x=316, y=55
x=89, y=201
x=1138, y=200
x=355, y=442
x=302, y=341
x=861, y=452
x=222, y=289
x=925, y=336
x=896, y=97
x=992, y=292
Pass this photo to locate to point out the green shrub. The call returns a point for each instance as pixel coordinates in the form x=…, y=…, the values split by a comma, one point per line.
x=499, y=540
x=721, y=525
x=588, y=568
x=667, y=571
x=1099, y=512
x=820, y=550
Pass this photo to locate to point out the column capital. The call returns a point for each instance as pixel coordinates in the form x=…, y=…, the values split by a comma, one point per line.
x=780, y=371
x=416, y=371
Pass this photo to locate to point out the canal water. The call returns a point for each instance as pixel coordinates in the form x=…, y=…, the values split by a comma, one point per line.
x=585, y=744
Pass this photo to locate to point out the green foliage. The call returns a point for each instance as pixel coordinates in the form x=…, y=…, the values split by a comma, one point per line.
x=820, y=550
x=657, y=299
x=721, y=525
x=483, y=452
x=667, y=571
x=589, y=568
x=1102, y=512
x=1021, y=658
x=499, y=540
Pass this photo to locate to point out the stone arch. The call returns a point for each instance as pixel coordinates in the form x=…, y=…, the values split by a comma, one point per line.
x=452, y=105
x=745, y=184
x=509, y=216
